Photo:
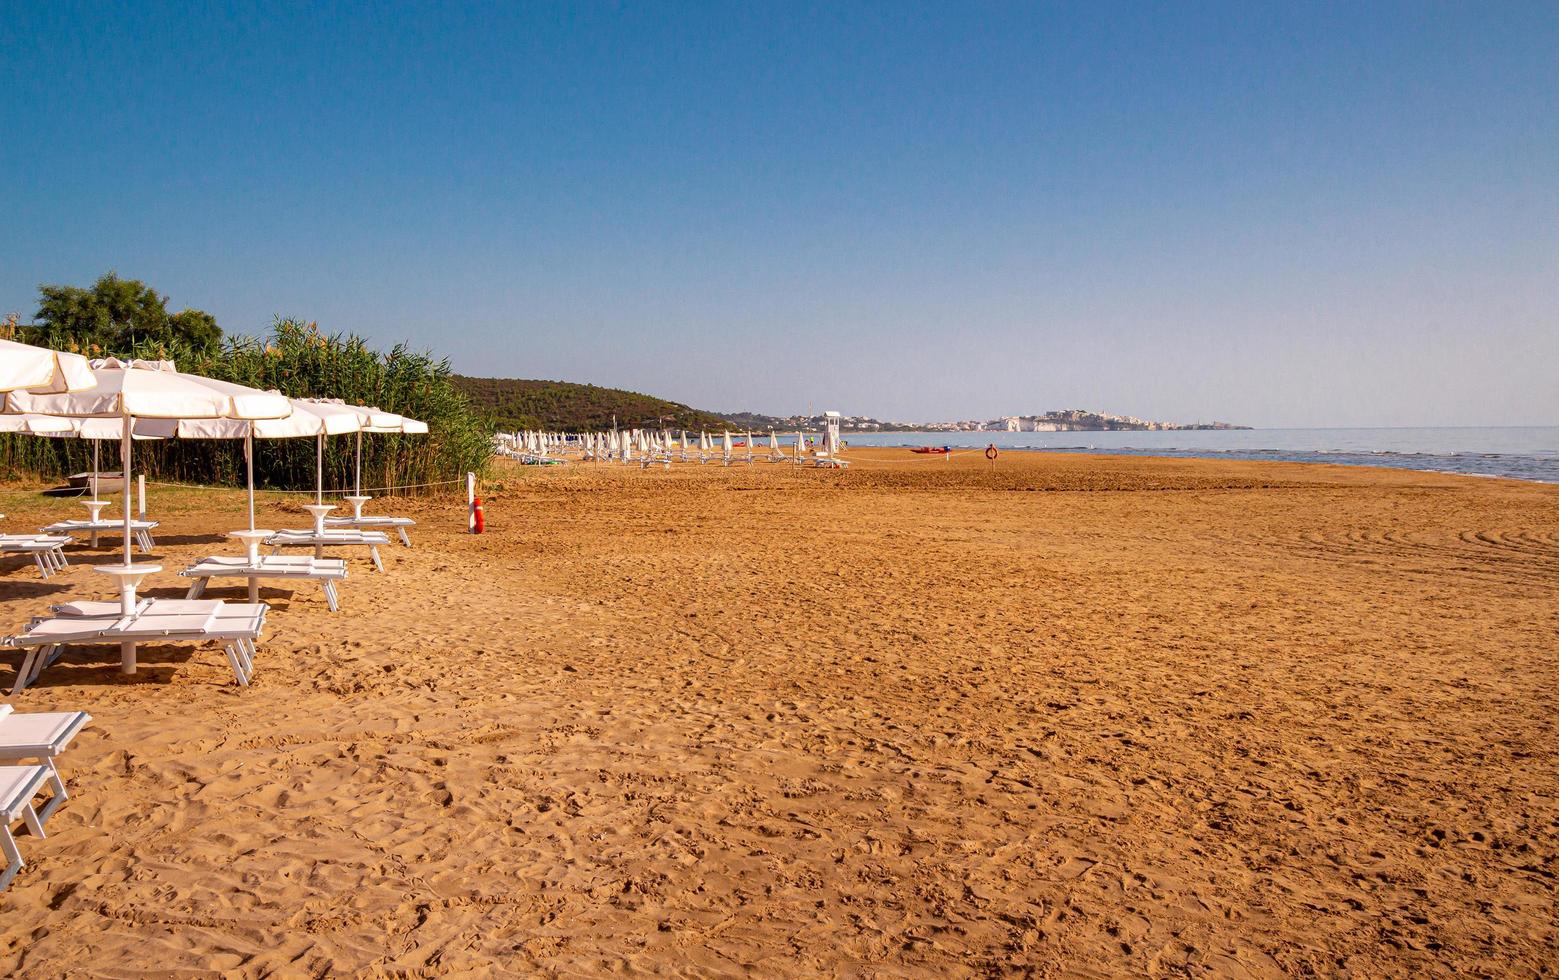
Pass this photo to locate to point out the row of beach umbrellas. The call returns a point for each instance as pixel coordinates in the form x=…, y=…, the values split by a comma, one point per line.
x=54, y=393
x=646, y=443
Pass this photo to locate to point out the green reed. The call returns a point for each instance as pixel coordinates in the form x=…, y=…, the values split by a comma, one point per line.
x=299, y=361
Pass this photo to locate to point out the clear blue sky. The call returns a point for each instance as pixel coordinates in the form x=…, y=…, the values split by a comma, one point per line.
x=1280, y=214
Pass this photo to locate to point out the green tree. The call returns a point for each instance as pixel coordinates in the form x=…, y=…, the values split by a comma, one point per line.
x=118, y=316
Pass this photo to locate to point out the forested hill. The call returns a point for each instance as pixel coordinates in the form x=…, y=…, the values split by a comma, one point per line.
x=514, y=403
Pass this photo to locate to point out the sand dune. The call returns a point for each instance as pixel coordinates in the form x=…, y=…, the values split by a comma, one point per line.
x=1080, y=716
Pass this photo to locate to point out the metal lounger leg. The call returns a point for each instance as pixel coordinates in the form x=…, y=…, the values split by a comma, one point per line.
x=196, y=588
x=13, y=856
x=405, y=538
x=373, y=550
x=30, y=817
x=235, y=661
x=330, y=595
x=56, y=783
x=43, y=566
x=50, y=653
x=24, y=671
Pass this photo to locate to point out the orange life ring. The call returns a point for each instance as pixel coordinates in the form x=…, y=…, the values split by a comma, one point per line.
x=990, y=452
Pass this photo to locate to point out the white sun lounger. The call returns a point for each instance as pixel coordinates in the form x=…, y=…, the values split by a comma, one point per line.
x=330, y=539
x=326, y=571
x=47, y=550
x=141, y=531
x=18, y=785
x=236, y=625
x=43, y=736
x=367, y=523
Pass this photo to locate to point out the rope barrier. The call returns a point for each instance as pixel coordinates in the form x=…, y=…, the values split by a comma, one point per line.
x=403, y=486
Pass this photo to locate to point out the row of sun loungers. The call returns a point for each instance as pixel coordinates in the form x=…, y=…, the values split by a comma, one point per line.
x=41, y=736
x=320, y=540
x=398, y=524
x=140, y=531
x=237, y=626
x=47, y=550
x=326, y=571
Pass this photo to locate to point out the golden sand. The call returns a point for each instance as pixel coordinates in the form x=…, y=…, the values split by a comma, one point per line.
x=1080, y=715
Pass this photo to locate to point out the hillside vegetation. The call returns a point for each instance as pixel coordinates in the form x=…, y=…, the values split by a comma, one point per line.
x=515, y=403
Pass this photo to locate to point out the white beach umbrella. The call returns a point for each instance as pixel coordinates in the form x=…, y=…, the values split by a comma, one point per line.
x=143, y=390
x=24, y=367
x=725, y=446
x=801, y=445
x=773, y=443
x=309, y=418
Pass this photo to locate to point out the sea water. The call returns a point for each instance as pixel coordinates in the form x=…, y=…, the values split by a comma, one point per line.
x=1520, y=452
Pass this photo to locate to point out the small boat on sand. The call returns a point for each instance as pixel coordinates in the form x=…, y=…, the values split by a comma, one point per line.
x=932, y=449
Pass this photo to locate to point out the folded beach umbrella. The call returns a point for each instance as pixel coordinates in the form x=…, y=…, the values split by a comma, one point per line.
x=801, y=445
x=136, y=390
x=24, y=367
x=725, y=446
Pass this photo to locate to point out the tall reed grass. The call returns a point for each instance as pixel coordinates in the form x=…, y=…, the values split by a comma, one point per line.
x=299, y=361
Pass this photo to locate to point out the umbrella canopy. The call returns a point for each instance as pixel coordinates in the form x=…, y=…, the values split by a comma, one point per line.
x=38, y=425
x=148, y=390
x=374, y=420
x=310, y=418
x=23, y=366
x=145, y=390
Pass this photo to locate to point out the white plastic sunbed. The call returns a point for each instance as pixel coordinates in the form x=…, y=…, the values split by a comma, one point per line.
x=47, y=550
x=236, y=625
x=141, y=531
x=41, y=736
x=18, y=785
x=365, y=522
x=326, y=571
x=371, y=523
x=340, y=538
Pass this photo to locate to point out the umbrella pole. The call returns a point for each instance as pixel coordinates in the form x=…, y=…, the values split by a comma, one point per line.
x=124, y=465
x=94, y=469
x=357, y=480
x=319, y=468
x=249, y=465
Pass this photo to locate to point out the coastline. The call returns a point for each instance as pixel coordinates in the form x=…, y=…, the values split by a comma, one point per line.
x=1527, y=453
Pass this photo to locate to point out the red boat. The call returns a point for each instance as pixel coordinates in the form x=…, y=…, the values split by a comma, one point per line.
x=932, y=449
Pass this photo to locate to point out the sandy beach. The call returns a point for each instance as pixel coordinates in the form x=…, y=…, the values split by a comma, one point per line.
x=1074, y=716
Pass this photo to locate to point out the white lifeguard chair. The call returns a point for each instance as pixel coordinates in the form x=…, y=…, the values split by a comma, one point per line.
x=828, y=454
